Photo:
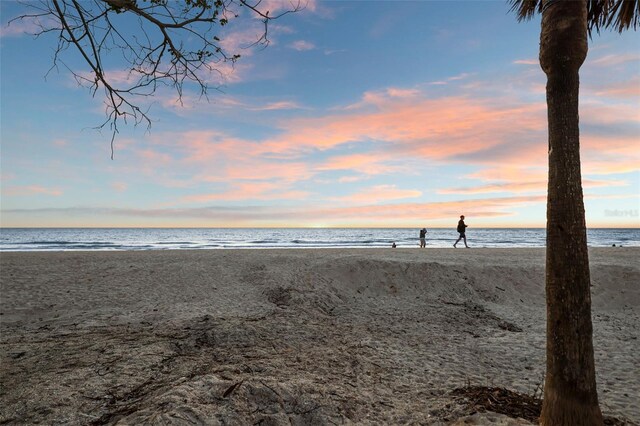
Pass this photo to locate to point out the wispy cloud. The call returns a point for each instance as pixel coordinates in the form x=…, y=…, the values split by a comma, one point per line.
x=329, y=52
x=241, y=41
x=119, y=186
x=478, y=211
x=378, y=194
x=29, y=25
x=430, y=128
x=539, y=186
x=386, y=132
x=446, y=81
x=366, y=163
x=397, y=214
x=523, y=187
x=622, y=90
x=350, y=179
x=302, y=45
x=275, y=7
x=381, y=97
x=462, y=76
x=27, y=190
x=221, y=102
x=391, y=128
x=615, y=59
x=154, y=157
x=249, y=191
x=281, y=105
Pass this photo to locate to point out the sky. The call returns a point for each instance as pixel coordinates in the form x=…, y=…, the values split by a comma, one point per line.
x=357, y=114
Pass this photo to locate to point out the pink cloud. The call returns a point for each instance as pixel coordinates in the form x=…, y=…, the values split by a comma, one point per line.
x=610, y=155
x=241, y=41
x=382, y=97
x=396, y=214
x=434, y=128
x=614, y=59
x=404, y=128
x=153, y=157
x=395, y=92
x=539, y=186
x=395, y=126
x=249, y=191
x=216, y=157
x=388, y=131
x=117, y=77
x=508, y=173
x=622, y=90
x=119, y=186
x=479, y=213
x=379, y=193
x=604, y=164
x=519, y=187
x=6, y=177
x=367, y=164
x=31, y=190
x=350, y=179
x=288, y=172
x=229, y=72
x=402, y=213
x=527, y=62
x=596, y=112
x=121, y=77
x=626, y=145
x=430, y=128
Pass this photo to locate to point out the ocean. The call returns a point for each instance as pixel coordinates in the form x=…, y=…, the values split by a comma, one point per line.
x=65, y=239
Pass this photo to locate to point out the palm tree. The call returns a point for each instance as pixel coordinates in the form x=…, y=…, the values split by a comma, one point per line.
x=570, y=396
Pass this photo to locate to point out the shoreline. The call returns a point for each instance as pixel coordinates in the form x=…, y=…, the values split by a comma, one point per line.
x=295, y=238
x=376, y=248
x=305, y=335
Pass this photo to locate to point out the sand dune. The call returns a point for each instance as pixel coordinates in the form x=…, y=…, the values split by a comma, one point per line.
x=336, y=336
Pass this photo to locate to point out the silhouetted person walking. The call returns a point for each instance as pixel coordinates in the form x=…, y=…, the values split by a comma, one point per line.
x=461, y=230
x=423, y=237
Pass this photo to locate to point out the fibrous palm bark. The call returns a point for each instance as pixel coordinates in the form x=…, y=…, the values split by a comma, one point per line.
x=570, y=395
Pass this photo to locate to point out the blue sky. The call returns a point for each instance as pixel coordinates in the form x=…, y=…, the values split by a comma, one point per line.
x=362, y=113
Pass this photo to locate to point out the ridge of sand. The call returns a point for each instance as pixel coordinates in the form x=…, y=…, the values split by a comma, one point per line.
x=322, y=336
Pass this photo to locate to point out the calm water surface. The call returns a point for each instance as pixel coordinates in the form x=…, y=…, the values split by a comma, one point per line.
x=61, y=239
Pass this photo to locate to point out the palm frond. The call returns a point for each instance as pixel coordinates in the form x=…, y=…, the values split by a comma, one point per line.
x=525, y=9
x=618, y=15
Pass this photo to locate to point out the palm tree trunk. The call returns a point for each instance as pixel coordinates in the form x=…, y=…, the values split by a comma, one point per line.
x=570, y=396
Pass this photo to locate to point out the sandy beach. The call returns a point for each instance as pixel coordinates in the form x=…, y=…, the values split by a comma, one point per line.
x=275, y=337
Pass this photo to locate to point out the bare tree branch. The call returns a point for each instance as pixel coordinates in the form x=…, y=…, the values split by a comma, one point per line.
x=168, y=42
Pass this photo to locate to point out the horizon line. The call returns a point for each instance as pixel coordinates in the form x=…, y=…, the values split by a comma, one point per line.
x=295, y=227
